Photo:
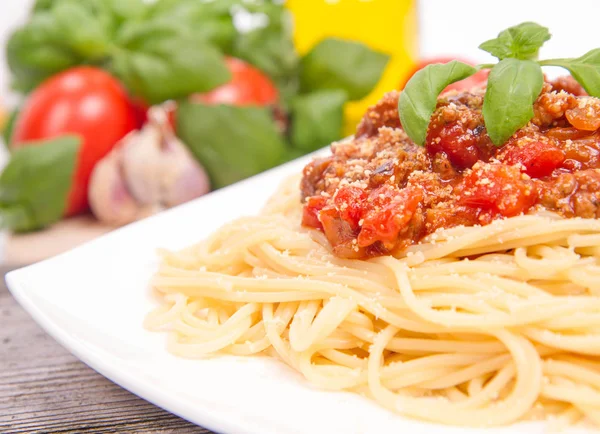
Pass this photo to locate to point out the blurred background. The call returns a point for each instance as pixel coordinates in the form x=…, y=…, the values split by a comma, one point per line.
x=112, y=110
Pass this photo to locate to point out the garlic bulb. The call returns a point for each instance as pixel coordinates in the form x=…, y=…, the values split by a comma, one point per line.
x=148, y=170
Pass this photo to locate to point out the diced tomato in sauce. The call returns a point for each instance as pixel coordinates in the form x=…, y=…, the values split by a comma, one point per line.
x=497, y=188
x=349, y=201
x=338, y=232
x=389, y=212
x=310, y=212
x=463, y=145
x=456, y=142
x=538, y=159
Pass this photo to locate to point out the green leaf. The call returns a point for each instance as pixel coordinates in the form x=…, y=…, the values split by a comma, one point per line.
x=317, y=119
x=341, y=64
x=64, y=33
x=61, y=34
x=262, y=35
x=35, y=184
x=513, y=86
x=38, y=50
x=585, y=69
x=127, y=9
x=42, y=5
x=158, y=62
x=520, y=42
x=81, y=30
x=232, y=143
x=269, y=44
x=203, y=21
x=9, y=127
x=419, y=98
x=183, y=9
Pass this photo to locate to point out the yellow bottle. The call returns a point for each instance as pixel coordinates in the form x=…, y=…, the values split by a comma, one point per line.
x=389, y=26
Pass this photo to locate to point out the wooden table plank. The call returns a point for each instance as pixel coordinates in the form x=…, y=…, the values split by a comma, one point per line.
x=45, y=389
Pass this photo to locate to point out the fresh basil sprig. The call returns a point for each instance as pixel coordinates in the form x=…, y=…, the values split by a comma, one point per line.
x=418, y=100
x=514, y=83
x=519, y=42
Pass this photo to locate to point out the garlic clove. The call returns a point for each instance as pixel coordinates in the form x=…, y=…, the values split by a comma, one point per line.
x=109, y=197
x=142, y=164
x=183, y=179
x=159, y=168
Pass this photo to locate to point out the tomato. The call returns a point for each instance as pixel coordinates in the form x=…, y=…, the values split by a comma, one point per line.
x=248, y=86
x=310, y=213
x=85, y=101
x=475, y=80
x=497, y=188
x=350, y=202
x=389, y=211
x=458, y=142
x=537, y=158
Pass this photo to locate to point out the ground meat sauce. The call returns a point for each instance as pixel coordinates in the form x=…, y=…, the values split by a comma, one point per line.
x=379, y=192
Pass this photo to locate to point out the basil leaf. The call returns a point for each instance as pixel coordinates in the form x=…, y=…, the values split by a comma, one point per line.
x=107, y=14
x=35, y=184
x=38, y=50
x=61, y=34
x=585, y=69
x=158, y=62
x=184, y=8
x=317, y=119
x=520, y=42
x=259, y=32
x=419, y=98
x=7, y=131
x=207, y=21
x=42, y=5
x=340, y=64
x=125, y=10
x=86, y=35
x=232, y=143
x=513, y=86
x=268, y=43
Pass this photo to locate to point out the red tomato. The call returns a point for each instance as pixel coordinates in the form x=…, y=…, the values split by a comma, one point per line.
x=248, y=86
x=497, y=188
x=476, y=79
x=85, y=101
x=538, y=159
x=310, y=213
x=390, y=210
x=458, y=142
x=350, y=202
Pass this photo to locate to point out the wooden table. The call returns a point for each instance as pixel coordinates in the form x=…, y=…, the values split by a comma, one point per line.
x=45, y=389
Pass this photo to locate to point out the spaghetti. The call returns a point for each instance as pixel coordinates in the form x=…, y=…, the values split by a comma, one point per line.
x=480, y=326
x=457, y=283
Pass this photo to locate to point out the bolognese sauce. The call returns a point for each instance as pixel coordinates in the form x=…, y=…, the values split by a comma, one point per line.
x=379, y=192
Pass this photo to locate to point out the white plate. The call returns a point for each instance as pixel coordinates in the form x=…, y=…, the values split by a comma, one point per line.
x=93, y=300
